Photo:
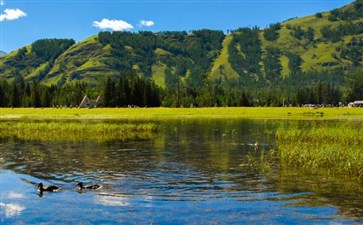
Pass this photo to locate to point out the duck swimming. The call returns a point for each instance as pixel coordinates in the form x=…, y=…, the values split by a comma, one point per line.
x=89, y=187
x=51, y=188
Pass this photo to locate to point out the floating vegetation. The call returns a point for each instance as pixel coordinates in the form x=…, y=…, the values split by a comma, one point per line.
x=321, y=147
x=76, y=131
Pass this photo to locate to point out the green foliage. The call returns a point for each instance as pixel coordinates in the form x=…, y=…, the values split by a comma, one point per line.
x=354, y=87
x=295, y=62
x=352, y=53
x=297, y=32
x=336, y=34
x=50, y=49
x=197, y=49
x=272, y=63
x=319, y=15
x=300, y=34
x=353, y=12
x=130, y=90
x=271, y=33
x=33, y=94
x=245, y=51
x=322, y=94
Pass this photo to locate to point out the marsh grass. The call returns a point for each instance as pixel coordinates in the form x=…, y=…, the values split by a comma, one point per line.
x=260, y=161
x=330, y=148
x=76, y=131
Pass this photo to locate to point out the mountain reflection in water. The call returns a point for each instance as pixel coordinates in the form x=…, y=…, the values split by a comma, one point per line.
x=189, y=173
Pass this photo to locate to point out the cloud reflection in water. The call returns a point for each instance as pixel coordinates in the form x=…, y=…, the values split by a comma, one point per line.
x=11, y=210
x=15, y=195
x=112, y=200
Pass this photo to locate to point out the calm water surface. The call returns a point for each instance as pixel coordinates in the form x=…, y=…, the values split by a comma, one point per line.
x=190, y=173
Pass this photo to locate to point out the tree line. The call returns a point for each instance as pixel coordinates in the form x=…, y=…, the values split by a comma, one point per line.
x=131, y=90
x=33, y=94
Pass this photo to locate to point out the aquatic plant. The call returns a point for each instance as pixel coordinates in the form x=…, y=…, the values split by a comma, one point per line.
x=321, y=147
x=76, y=131
x=261, y=161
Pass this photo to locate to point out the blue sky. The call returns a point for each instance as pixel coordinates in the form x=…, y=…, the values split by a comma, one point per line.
x=25, y=21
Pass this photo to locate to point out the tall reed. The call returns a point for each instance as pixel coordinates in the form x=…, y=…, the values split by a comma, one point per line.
x=334, y=148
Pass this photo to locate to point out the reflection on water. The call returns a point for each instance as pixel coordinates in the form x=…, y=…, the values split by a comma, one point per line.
x=112, y=200
x=11, y=210
x=190, y=173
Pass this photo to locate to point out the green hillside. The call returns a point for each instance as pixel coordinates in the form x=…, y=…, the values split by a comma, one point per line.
x=328, y=41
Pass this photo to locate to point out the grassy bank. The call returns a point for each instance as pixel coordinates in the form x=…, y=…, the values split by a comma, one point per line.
x=329, y=148
x=180, y=113
x=75, y=131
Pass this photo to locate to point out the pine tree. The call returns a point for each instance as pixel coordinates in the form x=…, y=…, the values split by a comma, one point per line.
x=14, y=99
x=108, y=93
x=34, y=96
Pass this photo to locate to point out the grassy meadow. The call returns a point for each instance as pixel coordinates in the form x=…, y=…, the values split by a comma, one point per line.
x=147, y=114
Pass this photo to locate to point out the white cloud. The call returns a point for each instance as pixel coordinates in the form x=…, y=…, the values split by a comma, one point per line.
x=2, y=2
x=12, y=14
x=146, y=23
x=116, y=25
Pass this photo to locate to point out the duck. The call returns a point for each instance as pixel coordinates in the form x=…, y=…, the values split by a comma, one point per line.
x=51, y=188
x=89, y=187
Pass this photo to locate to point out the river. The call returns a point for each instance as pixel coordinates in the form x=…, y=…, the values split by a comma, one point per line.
x=191, y=172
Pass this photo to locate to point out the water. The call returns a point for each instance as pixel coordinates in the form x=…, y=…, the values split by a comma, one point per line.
x=190, y=173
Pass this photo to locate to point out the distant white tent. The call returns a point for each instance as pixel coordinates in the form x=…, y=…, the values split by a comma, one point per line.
x=87, y=103
x=356, y=104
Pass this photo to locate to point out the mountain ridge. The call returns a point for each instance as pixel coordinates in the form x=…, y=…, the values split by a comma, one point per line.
x=328, y=41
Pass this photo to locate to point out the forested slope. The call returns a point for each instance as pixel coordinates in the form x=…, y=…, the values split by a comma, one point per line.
x=294, y=58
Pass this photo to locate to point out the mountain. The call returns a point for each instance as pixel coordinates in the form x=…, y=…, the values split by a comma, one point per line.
x=2, y=54
x=325, y=42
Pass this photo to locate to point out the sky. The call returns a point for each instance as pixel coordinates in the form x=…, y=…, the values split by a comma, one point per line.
x=25, y=21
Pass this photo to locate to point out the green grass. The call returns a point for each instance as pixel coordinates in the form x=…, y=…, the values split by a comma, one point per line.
x=222, y=61
x=76, y=131
x=161, y=52
x=284, y=60
x=158, y=74
x=36, y=71
x=328, y=148
x=181, y=113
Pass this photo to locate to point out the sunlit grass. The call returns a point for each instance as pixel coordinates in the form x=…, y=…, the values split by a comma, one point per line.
x=76, y=131
x=180, y=113
x=223, y=62
x=330, y=148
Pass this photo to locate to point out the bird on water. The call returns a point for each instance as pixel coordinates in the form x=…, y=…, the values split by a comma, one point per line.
x=51, y=188
x=89, y=187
